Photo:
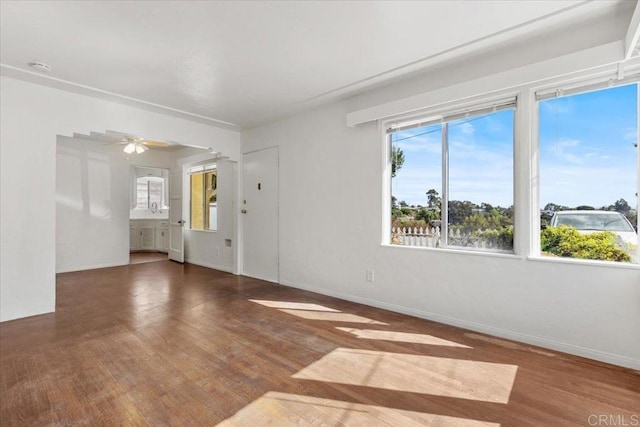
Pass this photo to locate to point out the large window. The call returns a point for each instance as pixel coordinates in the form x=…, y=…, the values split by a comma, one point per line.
x=203, y=181
x=452, y=179
x=588, y=153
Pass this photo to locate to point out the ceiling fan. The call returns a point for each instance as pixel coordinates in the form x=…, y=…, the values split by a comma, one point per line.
x=139, y=145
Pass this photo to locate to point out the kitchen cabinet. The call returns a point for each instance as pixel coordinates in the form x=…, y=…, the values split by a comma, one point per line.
x=162, y=237
x=149, y=235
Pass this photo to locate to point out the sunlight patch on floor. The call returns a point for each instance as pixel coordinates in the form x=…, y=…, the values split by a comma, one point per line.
x=284, y=409
x=293, y=305
x=440, y=376
x=372, y=334
x=332, y=317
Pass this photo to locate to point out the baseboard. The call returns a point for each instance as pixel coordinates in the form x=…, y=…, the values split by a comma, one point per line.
x=614, y=359
x=37, y=312
x=224, y=268
x=264, y=280
x=93, y=267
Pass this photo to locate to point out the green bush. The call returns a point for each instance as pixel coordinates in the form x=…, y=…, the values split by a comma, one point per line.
x=502, y=237
x=568, y=242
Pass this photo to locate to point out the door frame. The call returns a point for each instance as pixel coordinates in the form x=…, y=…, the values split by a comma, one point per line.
x=178, y=184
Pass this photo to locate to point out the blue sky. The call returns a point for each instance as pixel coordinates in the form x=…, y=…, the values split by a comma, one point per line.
x=480, y=161
x=586, y=154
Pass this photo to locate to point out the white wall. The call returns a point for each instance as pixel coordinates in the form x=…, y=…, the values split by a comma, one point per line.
x=92, y=205
x=32, y=117
x=331, y=201
x=209, y=248
x=93, y=192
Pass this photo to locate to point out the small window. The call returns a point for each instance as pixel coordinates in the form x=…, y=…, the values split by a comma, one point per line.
x=204, y=197
x=588, y=153
x=150, y=192
x=452, y=180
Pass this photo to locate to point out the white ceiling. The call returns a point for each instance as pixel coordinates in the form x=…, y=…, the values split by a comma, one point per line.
x=248, y=62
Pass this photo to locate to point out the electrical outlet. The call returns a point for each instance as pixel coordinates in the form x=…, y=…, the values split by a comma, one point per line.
x=370, y=275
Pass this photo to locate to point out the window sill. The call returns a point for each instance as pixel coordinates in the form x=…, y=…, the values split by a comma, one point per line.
x=507, y=255
x=587, y=262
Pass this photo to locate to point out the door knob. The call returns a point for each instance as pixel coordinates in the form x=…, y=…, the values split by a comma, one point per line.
x=244, y=211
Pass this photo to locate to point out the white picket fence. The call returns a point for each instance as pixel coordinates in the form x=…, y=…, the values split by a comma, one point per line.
x=425, y=237
x=430, y=238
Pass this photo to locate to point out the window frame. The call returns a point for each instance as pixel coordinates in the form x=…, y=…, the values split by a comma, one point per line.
x=526, y=207
x=200, y=169
x=445, y=114
x=162, y=203
x=560, y=87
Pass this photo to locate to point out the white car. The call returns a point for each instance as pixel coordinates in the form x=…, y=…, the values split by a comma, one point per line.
x=587, y=222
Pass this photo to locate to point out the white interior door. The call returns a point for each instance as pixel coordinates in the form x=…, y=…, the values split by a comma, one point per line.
x=176, y=223
x=260, y=214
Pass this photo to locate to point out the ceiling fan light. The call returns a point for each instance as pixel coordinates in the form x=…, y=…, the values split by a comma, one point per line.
x=129, y=148
x=140, y=148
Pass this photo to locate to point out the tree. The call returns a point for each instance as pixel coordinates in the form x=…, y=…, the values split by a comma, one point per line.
x=555, y=208
x=433, y=199
x=426, y=215
x=621, y=206
x=458, y=211
x=486, y=207
x=397, y=160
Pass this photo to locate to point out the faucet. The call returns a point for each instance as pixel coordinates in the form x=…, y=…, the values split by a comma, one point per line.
x=154, y=207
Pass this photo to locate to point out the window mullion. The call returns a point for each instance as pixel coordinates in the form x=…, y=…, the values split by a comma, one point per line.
x=204, y=196
x=444, y=210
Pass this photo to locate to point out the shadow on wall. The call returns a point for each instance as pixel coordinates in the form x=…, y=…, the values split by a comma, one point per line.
x=92, y=205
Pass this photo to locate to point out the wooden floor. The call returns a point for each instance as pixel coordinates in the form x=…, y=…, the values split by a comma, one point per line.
x=168, y=344
x=140, y=257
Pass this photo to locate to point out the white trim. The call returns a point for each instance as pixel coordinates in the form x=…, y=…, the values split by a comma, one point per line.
x=225, y=268
x=534, y=176
x=602, y=356
x=587, y=262
x=95, y=266
x=31, y=313
x=261, y=278
x=201, y=168
x=588, y=59
x=605, y=81
x=452, y=113
x=633, y=34
x=386, y=189
x=69, y=86
x=455, y=250
x=452, y=107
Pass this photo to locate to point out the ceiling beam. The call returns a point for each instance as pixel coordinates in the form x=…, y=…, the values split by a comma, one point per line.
x=633, y=33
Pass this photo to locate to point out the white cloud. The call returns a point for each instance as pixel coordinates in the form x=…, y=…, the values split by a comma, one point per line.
x=630, y=134
x=467, y=128
x=430, y=143
x=565, y=149
x=597, y=186
x=558, y=106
